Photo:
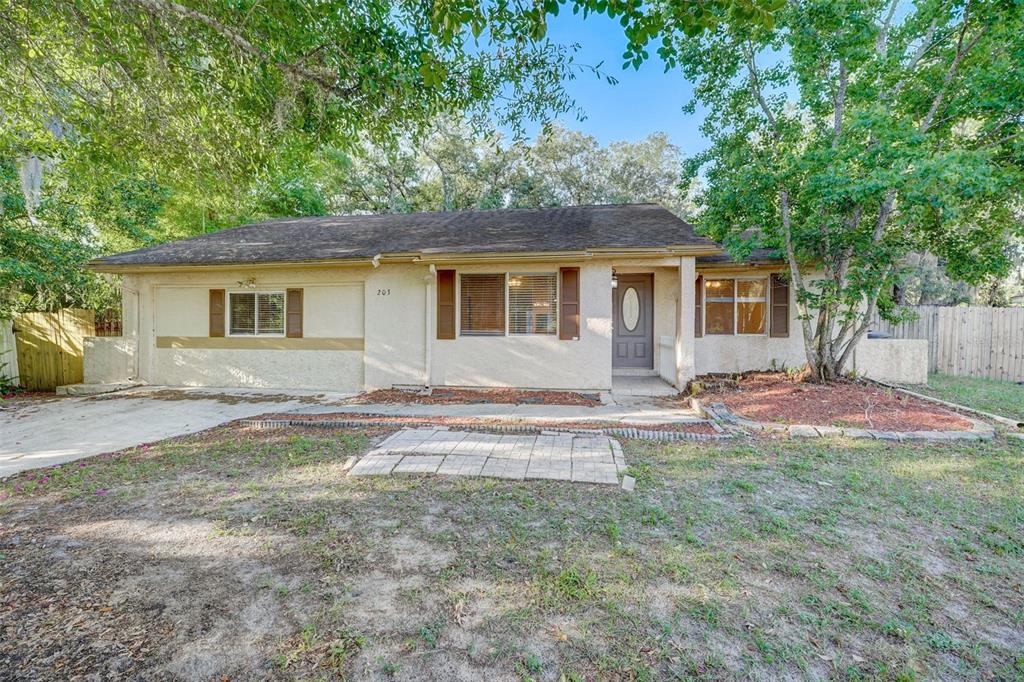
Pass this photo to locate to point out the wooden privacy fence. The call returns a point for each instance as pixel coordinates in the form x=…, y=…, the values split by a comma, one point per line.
x=50, y=347
x=8, y=353
x=967, y=341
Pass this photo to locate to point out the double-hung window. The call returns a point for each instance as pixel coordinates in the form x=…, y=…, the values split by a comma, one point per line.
x=533, y=304
x=513, y=304
x=256, y=313
x=735, y=306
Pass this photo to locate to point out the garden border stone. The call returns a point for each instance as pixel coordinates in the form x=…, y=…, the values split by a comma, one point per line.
x=980, y=430
x=620, y=431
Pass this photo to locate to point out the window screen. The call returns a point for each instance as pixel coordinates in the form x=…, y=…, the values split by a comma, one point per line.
x=533, y=304
x=719, y=297
x=482, y=305
x=751, y=306
x=256, y=313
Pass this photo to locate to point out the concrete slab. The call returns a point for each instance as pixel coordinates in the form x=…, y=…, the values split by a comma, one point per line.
x=462, y=465
x=375, y=465
x=553, y=456
x=43, y=433
x=426, y=464
x=645, y=386
x=95, y=389
x=505, y=468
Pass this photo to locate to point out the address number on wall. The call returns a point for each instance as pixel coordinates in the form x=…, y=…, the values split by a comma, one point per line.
x=383, y=292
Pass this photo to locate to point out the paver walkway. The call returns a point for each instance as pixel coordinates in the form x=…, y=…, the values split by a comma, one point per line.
x=557, y=456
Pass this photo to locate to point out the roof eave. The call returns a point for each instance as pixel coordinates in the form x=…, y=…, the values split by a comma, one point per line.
x=426, y=258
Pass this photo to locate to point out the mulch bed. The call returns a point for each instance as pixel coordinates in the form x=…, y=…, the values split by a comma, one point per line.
x=461, y=396
x=776, y=397
x=476, y=422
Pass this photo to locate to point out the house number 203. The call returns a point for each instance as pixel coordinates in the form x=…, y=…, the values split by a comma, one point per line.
x=383, y=292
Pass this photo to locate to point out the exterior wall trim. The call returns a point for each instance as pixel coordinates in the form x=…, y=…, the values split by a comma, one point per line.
x=259, y=343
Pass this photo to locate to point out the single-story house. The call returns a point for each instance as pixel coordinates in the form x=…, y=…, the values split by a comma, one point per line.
x=554, y=298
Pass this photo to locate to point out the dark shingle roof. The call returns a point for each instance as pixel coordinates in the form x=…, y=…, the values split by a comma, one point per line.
x=465, y=232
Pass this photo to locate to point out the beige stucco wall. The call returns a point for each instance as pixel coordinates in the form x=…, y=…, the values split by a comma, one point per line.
x=535, y=361
x=392, y=308
x=395, y=299
x=724, y=354
x=898, y=361
x=107, y=360
x=176, y=304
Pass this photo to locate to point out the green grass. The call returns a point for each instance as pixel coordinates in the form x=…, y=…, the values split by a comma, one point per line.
x=759, y=558
x=1004, y=398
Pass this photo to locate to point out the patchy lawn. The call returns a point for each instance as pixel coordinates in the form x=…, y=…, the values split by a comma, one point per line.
x=240, y=554
x=777, y=397
x=1005, y=398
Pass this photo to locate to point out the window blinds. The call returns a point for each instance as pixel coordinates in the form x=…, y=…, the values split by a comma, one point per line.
x=533, y=304
x=482, y=305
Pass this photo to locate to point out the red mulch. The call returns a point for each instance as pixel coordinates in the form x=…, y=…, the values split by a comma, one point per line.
x=772, y=397
x=696, y=427
x=460, y=396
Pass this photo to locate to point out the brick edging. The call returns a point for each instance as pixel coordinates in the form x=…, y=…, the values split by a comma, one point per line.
x=718, y=411
x=621, y=431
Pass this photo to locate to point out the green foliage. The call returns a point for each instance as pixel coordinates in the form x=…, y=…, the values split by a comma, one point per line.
x=846, y=137
x=42, y=251
x=453, y=169
x=152, y=119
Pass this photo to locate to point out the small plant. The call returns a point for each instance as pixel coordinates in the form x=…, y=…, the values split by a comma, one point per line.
x=575, y=584
x=342, y=648
x=8, y=385
x=429, y=633
x=532, y=663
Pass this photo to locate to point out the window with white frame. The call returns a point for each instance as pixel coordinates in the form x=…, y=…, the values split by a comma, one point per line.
x=256, y=313
x=533, y=304
x=735, y=306
x=508, y=303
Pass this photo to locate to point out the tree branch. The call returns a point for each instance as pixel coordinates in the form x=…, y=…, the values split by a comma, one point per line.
x=755, y=89
x=961, y=52
x=922, y=49
x=882, y=41
x=325, y=79
x=840, y=102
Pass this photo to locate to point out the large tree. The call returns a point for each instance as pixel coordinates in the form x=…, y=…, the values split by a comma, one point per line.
x=852, y=133
x=229, y=111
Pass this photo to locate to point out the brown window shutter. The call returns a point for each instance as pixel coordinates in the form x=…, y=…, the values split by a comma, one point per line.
x=446, y=304
x=779, y=321
x=293, y=314
x=569, y=307
x=698, y=307
x=216, y=312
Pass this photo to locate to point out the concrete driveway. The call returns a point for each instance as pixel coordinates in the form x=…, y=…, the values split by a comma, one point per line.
x=39, y=433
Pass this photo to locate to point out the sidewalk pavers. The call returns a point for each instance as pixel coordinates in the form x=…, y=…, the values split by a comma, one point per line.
x=549, y=455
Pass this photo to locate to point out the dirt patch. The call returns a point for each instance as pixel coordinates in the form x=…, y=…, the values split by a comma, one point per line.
x=19, y=401
x=775, y=397
x=473, y=422
x=224, y=398
x=461, y=396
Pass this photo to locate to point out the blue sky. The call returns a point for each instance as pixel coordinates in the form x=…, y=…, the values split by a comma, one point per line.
x=643, y=102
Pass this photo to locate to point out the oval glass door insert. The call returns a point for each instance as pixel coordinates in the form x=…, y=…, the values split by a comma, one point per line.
x=630, y=309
